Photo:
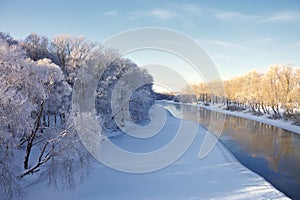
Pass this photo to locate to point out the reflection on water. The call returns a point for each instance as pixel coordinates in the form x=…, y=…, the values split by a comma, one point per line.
x=269, y=151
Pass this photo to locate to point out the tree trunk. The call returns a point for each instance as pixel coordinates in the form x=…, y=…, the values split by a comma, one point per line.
x=48, y=118
x=32, y=136
x=277, y=109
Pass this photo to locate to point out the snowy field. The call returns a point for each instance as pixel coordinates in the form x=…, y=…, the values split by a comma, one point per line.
x=217, y=176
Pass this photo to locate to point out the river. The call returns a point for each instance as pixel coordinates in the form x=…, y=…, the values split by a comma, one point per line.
x=271, y=152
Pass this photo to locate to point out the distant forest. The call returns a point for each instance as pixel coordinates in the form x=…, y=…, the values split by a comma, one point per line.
x=275, y=92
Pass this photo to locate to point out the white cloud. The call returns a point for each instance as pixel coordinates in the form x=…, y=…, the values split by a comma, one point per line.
x=284, y=16
x=296, y=44
x=259, y=41
x=191, y=8
x=157, y=14
x=228, y=16
x=220, y=57
x=218, y=43
x=137, y=14
x=111, y=13
x=161, y=14
x=222, y=45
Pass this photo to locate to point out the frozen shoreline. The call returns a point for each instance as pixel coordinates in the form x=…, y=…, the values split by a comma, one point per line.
x=217, y=176
x=262, y=119
x=247, y=115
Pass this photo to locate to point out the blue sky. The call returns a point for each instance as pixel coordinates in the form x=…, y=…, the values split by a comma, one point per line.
x=238, y=35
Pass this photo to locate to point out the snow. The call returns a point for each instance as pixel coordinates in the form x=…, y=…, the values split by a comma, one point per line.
x=217, y=176
x=287, y=125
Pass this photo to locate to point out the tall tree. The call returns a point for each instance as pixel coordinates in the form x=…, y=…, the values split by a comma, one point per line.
x=36, y=46
x=24, y=89
x=286, y=77
x=71, y=52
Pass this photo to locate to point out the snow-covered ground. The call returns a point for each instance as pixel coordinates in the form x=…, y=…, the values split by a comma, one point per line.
x=280, y=123
x=217, y=176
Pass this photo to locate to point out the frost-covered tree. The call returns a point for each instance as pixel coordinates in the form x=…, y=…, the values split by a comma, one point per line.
x=115, y=68
x=143, y=97
x=36, y=46
x=251, y=90
x=295, y=93
x=21, y=89
x=70, y=52
x=287, y=80
x=33, y=88
x=8, y=38
x=132, y=97
x=275, y=92
x=21, y=92
x=27, y=88
x=271, y=89
x=57, y=90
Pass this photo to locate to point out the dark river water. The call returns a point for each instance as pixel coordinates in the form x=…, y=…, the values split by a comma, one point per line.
x=269, y=151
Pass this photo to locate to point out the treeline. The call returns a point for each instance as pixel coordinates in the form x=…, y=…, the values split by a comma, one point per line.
x=69, y=53
x=275, y=92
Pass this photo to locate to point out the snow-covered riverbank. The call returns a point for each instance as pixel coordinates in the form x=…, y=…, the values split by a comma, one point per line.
x=280, y=123
x=217, y=176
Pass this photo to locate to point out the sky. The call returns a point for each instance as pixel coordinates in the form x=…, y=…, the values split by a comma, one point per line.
x=239, y=36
